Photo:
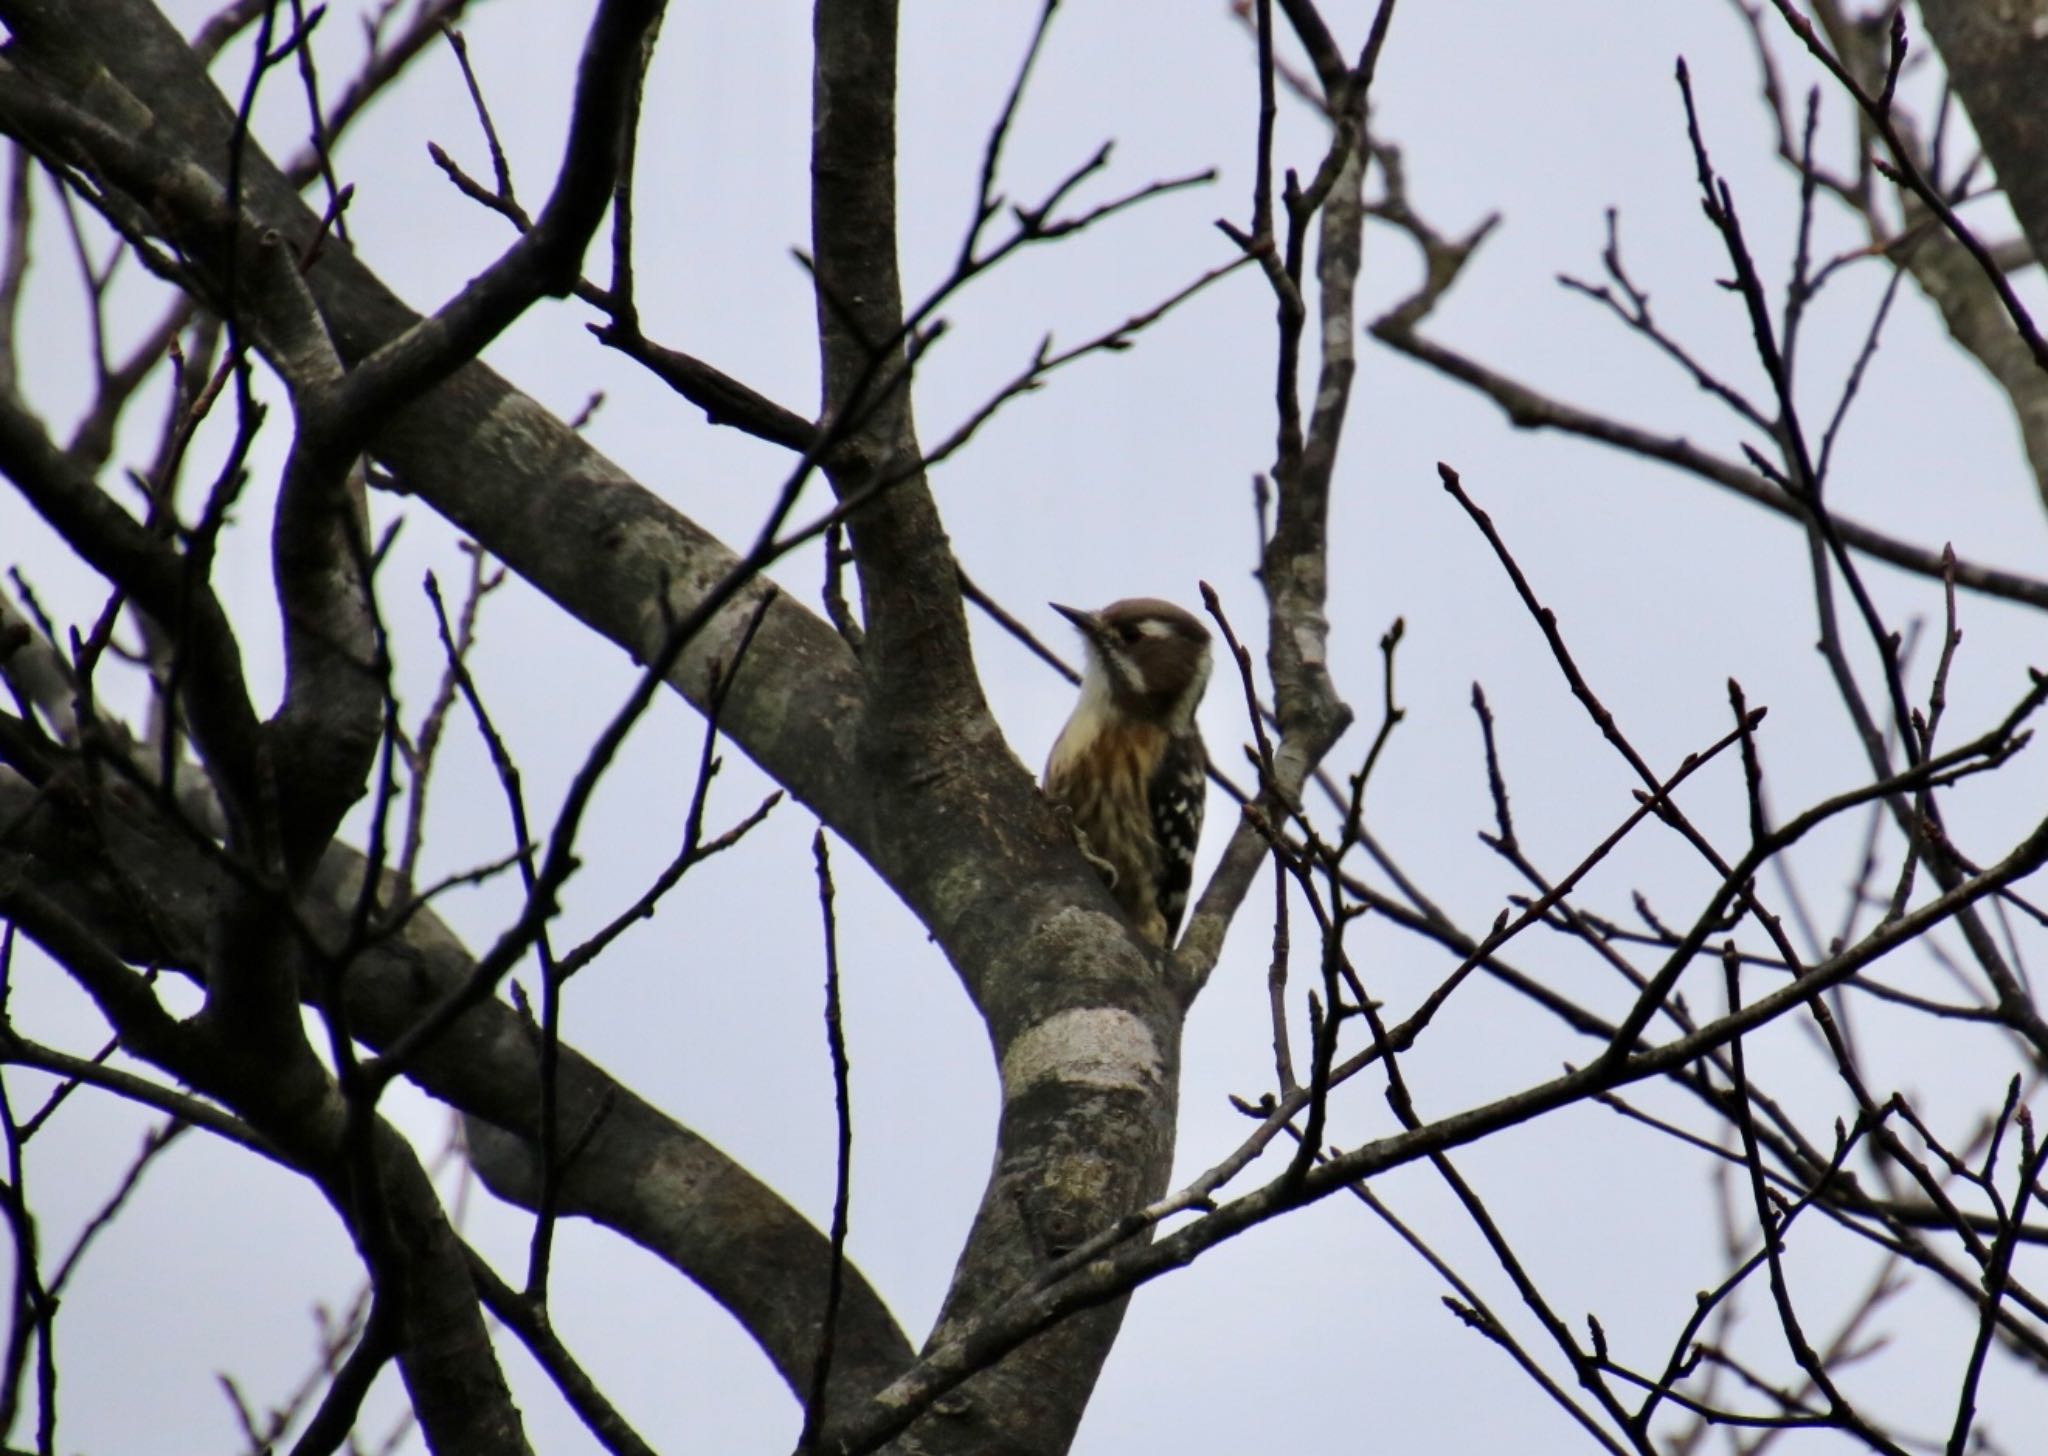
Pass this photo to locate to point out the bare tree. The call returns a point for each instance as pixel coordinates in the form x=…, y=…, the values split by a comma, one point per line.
x=247, y=896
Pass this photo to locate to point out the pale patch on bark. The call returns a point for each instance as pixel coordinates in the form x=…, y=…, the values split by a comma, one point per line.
x=1336, y=343
x=1095, y=1046
x=518, y=427
x=717, y=644
x=1309, y=638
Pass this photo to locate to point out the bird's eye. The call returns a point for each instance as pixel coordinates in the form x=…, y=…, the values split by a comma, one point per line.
x=1129, y=632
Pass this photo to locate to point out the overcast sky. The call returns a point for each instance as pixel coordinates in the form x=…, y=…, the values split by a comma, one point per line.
x=1129, y=474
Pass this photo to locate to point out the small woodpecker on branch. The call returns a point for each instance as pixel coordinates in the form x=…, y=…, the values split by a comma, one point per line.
x=1129, y=768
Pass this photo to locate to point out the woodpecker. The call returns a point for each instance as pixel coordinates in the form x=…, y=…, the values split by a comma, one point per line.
x=1129, y=767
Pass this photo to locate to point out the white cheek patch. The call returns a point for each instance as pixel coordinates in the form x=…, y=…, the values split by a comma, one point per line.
x=1128, y=671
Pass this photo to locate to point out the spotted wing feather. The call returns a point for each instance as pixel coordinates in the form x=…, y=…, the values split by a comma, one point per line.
x=1178, y=789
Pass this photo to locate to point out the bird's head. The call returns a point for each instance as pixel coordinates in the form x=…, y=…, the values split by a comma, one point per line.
x=1148, y=657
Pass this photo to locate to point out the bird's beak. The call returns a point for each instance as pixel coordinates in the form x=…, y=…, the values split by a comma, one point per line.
x=1088, y=622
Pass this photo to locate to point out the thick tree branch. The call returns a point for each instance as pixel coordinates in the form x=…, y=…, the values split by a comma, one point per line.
x=917, y=655
x=1995, y=57
x=224, y=724
x=458, y=1392
x=530, y=489
x=637, y=1170
x=1089, y=1047
x=1039, y=1308
x=545, y=260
